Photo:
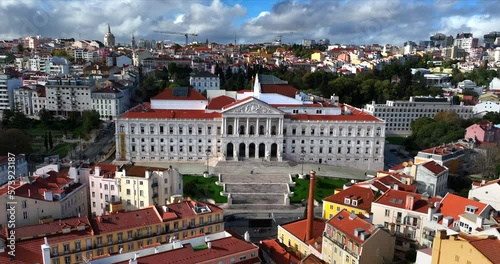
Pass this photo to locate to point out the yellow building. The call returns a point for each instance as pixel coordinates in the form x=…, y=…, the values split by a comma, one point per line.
x=349, y=239
x=76, y=239
x=466, y=249
x=318, y=56
x=355, y=199
x=293, y=235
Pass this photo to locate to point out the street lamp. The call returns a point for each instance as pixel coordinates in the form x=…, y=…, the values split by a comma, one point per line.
x=302, y=155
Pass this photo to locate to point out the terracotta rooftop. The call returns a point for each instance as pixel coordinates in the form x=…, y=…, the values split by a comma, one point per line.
x=444, y=150
x=434, y=167
x=170, y=94
x=488, y=246
x=53, y=183
x=364, y=197
x=454, y=205
x=347, y=223
x=217, y=103
x=186, y=208
x=126, y=220
x=144, y=111
x=312, y=259
x=278, y=252
x=54, y=228
x=140, y=171
x=31, y=252
x=238, y=102
x=298, y=228
x=187, y=255
x=353, y=117
x=107, y=170
x=396, y=198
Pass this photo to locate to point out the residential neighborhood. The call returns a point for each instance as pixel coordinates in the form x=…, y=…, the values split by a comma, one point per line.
x=237, y=132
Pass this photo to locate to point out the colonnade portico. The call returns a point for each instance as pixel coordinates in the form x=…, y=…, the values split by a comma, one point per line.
x=256, y=137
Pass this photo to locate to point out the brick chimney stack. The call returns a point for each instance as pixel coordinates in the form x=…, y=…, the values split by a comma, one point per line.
x=310, y=206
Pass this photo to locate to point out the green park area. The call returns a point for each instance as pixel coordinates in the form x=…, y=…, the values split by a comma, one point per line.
x=198, y=187
x=325, y=186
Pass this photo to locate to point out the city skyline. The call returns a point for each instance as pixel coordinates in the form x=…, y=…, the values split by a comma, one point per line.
x=356, y=22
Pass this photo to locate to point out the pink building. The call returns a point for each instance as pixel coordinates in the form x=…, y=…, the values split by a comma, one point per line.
x=484, y=132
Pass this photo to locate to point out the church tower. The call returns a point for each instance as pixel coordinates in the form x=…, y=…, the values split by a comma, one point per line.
x=109, y=38
x=132, y=42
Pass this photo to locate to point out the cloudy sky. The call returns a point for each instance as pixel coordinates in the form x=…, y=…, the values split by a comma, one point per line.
x=345, y=21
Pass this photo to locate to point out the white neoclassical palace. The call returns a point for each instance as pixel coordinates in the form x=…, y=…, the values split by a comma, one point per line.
x=270, y=122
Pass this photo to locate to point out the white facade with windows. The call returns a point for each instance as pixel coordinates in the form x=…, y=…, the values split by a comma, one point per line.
x=251, y=128
x=398, y=115
x=110, y=102
x=7, y=85
x=203, y=81
x=102, y=189
x=66, y=95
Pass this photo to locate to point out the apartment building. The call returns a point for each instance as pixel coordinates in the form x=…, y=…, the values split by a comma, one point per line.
x=463, y=248
x=221, y=247
x=453, y=156
x=50, y=195
x=403, y=213
x=20, y=165
x=9, y=81
x=350, y=239
x=457, y=214
x=431, y=178
x=483, y=132
x=78, y=239
x=130, y=187
x=204, y=80
x=30, y=100
x=68, y=95
x=85, y=55
x=399, y=114
x=110, y=102
x=270, y=122
x=486, y=192
x=354, y=199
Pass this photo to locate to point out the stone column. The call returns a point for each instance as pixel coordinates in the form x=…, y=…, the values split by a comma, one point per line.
x=235, y=126
x=256, y=128
x=267, y=132
x=223, y=126
x=280, y=129
x=247, y=151
x=247, y=128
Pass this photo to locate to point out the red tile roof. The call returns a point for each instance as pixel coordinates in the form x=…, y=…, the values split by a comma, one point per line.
x=144, y=111
x=27, y=252
x=167, y=94
x=185, y=209
x=278, y=252
x=353, y=117
x=238, y=102
x=446, y=149
x=217, y=103
x=187, y=255
x=6, y=188
x=396, y=198
x=53, y=183
x=395, y=178
x=298, y=228
x=347, y=223
x=488, y=246
x=364, y=196
x=454, y=205
x=434, y=167
x=283, y=89
x=312, y=259
x=126, y=220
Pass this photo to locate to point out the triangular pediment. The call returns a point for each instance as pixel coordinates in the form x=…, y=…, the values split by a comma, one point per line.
x=251, y=106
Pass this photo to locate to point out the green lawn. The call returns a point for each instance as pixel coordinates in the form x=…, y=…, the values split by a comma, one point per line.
x=198, y=187
x=325, y=186
x=62, y=149
x=396, y=140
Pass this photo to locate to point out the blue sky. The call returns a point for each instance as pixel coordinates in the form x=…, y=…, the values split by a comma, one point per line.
x=345, y=21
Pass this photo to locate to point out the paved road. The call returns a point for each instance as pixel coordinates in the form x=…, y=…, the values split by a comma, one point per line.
x=394, y=157
x=103, y=142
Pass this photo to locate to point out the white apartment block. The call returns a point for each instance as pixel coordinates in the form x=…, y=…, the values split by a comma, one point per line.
x=131, y=187
x=110, y=102
x=398, y=115
x=431, y=178
x=56, y=194
x=8, y=83
x=270, y=123
x=484, y=107
x=486, y=192
x=102, y=188
x=67, y=95
x=203, y=81
x=85, y=55
x=30, y=100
